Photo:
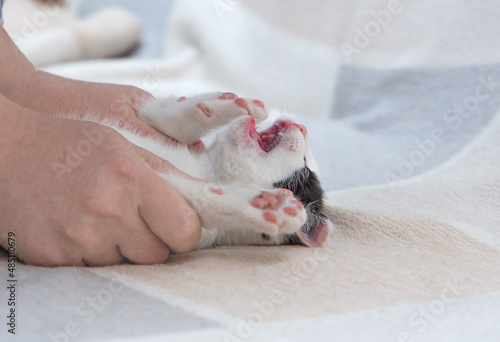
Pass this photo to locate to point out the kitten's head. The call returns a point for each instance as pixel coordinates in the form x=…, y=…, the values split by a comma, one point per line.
x=278, y=157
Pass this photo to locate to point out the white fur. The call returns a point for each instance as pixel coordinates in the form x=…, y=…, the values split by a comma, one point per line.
x=233, y=165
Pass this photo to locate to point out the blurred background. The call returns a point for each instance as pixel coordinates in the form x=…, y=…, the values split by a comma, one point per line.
x=153, y=15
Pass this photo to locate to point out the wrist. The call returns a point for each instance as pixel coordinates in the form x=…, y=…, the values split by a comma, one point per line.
x=16, y=123
x=49, y=94
x=15, y=69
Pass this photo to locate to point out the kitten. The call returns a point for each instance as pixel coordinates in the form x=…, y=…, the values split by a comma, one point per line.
x=248, y=187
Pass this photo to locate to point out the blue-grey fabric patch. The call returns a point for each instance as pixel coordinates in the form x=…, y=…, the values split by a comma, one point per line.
x=74, y=304
x=383, y=119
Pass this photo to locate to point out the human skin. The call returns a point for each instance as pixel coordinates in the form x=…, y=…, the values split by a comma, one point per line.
x=110, y=207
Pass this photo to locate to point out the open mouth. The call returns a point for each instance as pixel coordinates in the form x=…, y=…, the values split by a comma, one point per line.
x=271, y=137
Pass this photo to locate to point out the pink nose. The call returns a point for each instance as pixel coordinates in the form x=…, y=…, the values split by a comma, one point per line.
x=302, y=128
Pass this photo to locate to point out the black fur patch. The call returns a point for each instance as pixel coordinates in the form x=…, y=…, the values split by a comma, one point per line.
x=292, y=239
x=306, y=187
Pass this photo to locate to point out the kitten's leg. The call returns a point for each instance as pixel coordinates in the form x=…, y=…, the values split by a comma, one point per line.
x=189, y=119
x=240, y=206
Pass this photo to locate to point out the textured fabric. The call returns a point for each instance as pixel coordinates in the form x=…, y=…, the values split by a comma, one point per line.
x=405, y=125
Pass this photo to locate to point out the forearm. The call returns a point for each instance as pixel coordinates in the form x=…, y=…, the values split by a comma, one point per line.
x=16, y=72
x=57, y=96
x=54, y=95
x=21, y=83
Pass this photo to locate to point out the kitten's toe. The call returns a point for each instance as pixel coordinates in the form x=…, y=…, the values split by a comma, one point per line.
x=228, y=96
x=258, y=110
x=205, y=110
x=281, y=212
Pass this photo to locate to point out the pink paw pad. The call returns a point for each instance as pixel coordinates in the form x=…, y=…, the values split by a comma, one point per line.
x=182, y=98
x=271, y=217
x=228, y=96
x=218, y=191
x=204, y=109
x=241, y=103
x=258, y=203
x=258, y=103
x=272, y=201
x=264, y=200
x=290, y=211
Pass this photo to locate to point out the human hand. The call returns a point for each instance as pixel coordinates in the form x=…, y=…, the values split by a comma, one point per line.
x=109, y=207
x=62, y=97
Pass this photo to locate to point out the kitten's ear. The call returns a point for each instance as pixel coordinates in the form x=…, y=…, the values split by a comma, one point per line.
x=315, y=231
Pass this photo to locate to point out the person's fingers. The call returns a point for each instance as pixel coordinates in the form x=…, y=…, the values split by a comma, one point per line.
x=90, y=250
x=158, y=164
x=115, y=242
x=144, y=130
x=142, y=246
x=169, y=215
x=126, y=108
x=162, y=207
x=197, y=147
x=93, y=242
x=137, y=97
x=103, y=255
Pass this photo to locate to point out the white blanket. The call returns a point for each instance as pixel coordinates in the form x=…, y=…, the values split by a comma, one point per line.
x=401, y=102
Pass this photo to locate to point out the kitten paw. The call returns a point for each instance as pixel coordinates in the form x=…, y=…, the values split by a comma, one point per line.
x=224, y=108
x=245, y=206
x=280, y=212
x=187, y=119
